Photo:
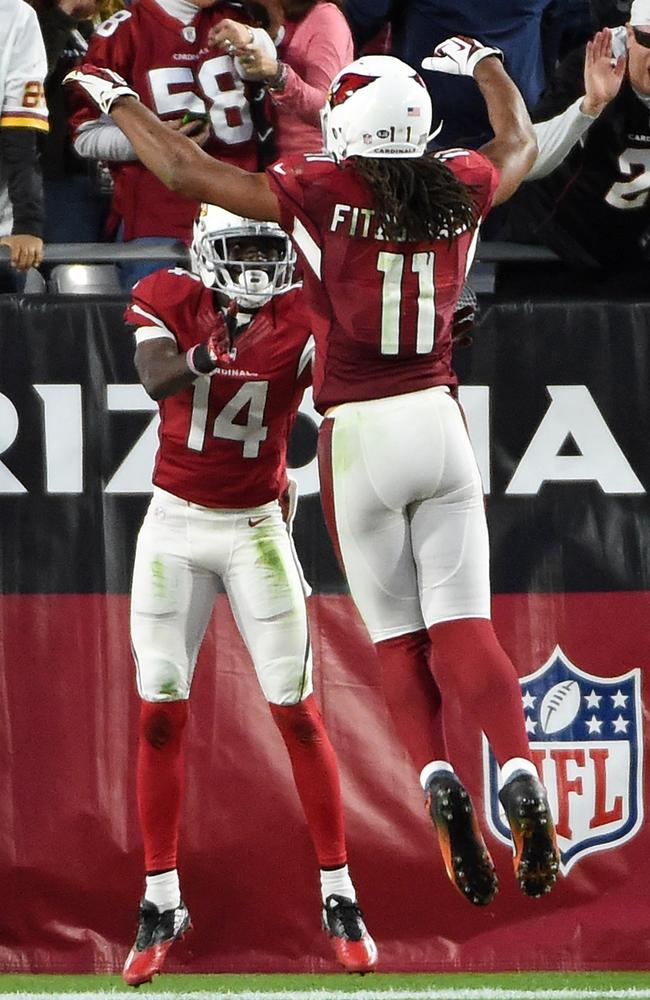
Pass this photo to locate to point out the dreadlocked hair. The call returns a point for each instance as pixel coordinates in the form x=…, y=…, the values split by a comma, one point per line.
x=417, y=199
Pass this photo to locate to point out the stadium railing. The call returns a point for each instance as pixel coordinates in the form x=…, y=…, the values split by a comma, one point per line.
x=90, y=268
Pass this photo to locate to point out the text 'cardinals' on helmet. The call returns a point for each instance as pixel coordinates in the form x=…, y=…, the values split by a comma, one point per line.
x=377, y=106
x=247, y=260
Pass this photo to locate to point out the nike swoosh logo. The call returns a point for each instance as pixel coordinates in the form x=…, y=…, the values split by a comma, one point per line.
x=254, y=521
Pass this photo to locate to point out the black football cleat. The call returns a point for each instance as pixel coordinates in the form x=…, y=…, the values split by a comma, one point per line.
x=156, y=934
x=463, y=849
x=353, y=946
x=536, y=857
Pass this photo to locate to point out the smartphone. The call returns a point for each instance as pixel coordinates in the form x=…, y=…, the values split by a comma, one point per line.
x=195, y=116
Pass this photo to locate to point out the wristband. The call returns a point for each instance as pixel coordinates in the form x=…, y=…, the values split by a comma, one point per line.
x=198, y=360
x=278, y=82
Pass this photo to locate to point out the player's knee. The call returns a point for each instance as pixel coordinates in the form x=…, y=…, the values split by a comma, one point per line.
x=302, y=722
x=286, y=681
x=160, y=680
x=162, y=722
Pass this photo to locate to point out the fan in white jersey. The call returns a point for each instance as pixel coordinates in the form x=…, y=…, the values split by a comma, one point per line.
x=23, y=113
x=227, y=353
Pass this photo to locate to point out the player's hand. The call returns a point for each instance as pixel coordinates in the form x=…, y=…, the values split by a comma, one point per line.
x=217, y=349
x=26, y=251
x=603, y=73
x=102, y=86
x=459, y=55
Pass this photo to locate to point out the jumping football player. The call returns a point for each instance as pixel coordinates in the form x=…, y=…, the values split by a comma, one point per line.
x=386, y=232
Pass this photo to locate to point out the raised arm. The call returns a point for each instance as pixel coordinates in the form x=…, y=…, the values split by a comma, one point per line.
x=513, y=149
x=177, y=161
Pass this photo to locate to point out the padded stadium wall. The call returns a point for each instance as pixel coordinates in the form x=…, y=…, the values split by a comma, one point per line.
x=559, y=411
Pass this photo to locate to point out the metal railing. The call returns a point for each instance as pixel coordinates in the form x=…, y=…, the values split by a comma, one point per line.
x=115, y=253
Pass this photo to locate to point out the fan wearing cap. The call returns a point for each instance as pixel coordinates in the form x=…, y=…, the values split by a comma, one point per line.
x=385, y=232
x=588, y=194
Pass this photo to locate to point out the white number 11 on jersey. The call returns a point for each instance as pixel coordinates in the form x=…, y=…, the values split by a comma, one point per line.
x=392, y=267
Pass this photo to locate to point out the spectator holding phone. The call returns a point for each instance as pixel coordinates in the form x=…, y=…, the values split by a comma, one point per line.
x=161, y=48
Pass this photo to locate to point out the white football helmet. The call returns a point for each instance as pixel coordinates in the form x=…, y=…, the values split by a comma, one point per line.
x=377, y=106
x=251, y=282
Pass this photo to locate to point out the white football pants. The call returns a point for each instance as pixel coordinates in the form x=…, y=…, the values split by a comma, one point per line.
x=408, y=508
x=187, y=554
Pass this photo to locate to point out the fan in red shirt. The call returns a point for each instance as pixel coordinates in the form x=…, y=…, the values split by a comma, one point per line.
x=385, y=232
x=227, y=353
x=161, y=47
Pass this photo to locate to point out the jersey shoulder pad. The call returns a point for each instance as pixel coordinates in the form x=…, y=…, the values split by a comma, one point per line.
x=300, y=169
x=163, y=293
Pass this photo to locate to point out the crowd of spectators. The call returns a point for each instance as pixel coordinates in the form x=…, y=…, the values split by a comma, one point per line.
x=246, y=80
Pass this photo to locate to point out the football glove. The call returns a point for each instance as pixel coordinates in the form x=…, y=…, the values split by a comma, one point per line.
x=459, y=55
x=217, y=350
x=102, y=86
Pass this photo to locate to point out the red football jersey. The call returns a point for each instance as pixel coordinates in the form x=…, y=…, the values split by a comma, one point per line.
x=382, y=310
x=171, y=67
x=223, y=440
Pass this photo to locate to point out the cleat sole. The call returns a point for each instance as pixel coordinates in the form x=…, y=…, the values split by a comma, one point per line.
x=464, y=852
x=536, y=858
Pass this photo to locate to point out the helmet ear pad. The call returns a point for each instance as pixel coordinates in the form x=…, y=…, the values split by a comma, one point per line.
x=251, y=282
x=377, y=106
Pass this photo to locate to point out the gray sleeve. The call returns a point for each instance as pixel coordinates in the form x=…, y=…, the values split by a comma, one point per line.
x=557, y=137
x=102, y=140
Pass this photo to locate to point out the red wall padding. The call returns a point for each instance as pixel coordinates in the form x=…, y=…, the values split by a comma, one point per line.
x=70, y=852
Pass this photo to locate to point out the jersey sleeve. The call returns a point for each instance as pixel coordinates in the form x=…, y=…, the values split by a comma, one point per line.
x=286, y=178
x=474, y=169
x=23, y=102
x=157, y=302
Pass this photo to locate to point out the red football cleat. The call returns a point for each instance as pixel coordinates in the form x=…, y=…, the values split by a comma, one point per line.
x=353, y=946
x=156, y=934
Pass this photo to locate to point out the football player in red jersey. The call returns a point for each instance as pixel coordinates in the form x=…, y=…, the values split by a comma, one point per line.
x=230, y=342
x=161, y=48
x=386, y=233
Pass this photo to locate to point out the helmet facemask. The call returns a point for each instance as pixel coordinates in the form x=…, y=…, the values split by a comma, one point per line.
x=246, y=260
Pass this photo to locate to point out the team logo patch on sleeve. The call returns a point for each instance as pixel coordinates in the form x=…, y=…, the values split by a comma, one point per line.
x=586, y=740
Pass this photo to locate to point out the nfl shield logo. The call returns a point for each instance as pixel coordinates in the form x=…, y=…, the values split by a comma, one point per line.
x=586, y=741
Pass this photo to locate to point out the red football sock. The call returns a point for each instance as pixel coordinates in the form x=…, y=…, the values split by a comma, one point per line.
x=316, y=775
x=472, y=670
x=159, y=780
x=412, y=696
